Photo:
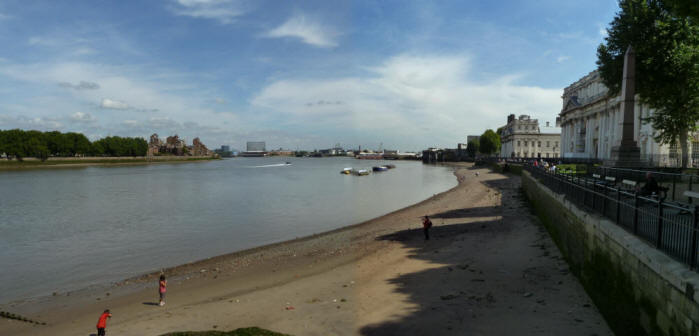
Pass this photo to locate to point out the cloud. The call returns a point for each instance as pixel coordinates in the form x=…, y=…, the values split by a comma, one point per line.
x=223, y=11
x=82, y=117
x=114, y=104
x=562, y=59
x=405, y=97
x=220, y=100
x=83, y=85
x=324, y=102
x=310, y=32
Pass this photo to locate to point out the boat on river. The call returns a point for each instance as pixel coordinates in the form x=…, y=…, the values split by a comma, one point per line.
x=379, y=168
x=362, y=172
x=346, y=171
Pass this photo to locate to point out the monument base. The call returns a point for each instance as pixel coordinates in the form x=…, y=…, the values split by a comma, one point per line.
x=626, y=157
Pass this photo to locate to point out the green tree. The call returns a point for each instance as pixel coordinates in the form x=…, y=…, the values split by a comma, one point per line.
x=683, y=7
x=667, y=71
x=472, y=148
x=489, y=142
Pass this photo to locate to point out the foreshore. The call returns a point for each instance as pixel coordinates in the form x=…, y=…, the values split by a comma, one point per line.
x=32, y=163
x=489, y=269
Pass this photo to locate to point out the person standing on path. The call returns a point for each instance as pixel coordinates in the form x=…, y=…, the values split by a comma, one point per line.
x=162, y=288
x=426, y=225
x=102, y=322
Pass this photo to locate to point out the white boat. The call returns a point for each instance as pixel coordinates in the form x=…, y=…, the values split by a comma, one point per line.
x=347, y=171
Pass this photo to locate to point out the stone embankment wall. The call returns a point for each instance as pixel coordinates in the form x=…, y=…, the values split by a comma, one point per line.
x=638, y=289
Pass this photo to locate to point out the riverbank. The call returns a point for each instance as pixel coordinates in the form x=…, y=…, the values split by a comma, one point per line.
x=32, y=163
x=489, y=269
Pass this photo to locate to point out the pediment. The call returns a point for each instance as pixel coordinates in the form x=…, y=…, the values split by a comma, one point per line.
x=571, y=103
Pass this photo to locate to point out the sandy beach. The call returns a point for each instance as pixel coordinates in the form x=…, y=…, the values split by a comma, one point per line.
x=489, y=269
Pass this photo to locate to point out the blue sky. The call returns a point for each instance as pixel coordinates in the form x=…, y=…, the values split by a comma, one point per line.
x=296, y=74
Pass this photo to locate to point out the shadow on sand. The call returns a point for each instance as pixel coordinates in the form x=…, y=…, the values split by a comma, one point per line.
x=445, y=297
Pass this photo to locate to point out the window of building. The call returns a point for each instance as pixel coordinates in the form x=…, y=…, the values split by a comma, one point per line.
x=526, y=128
x=548, y=143
x=695, y=152
x=556, y=145
x=539, y=144
x=525, y=143
x=518, y=144
x=547, y=155
x=673, y=151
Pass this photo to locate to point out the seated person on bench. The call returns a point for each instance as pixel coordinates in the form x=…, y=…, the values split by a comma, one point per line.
x=651, y=187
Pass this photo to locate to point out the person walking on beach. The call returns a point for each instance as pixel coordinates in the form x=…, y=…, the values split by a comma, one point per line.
x=426, y=225
x=162, y=288
x=102, y=322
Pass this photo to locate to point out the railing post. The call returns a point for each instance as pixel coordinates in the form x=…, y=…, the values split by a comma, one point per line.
x=674, y=182
x=604, y=201
x=635, y=213
x=659, y=241
x=693, y=257
x=618, y=205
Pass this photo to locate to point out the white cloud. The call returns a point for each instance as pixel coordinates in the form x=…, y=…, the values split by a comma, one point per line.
x=114, y=104
x=429, y=100
x=220, y=100
x=562, y=59
x=306, y=29
x=83, y=85
x=82, y=117
x=224, y=11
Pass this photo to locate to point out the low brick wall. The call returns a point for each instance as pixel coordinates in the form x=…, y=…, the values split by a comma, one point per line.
x=638, y=289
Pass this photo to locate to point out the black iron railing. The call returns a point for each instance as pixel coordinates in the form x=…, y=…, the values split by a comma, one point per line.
x=676, y=183
x=670, y=226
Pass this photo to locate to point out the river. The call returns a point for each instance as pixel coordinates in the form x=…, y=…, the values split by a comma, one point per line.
x=64, y=229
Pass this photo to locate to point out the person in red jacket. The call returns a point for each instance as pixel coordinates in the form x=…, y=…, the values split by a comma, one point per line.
x=102, y=322
x=426, y=225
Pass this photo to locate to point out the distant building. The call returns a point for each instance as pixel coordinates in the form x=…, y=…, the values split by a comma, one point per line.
x=475, y=138
x=523, y=138
x=225, y=148
x=255, y=149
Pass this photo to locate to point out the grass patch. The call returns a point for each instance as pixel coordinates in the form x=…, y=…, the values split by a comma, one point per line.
x=252, y=331
x=571, y=168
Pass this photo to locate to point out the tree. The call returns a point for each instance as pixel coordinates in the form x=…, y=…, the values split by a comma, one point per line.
x=489, y=142
x=682, y=7
x=472, y=148
x=667, y=75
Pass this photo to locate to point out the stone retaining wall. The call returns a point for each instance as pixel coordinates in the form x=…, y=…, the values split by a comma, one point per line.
x=638, y=289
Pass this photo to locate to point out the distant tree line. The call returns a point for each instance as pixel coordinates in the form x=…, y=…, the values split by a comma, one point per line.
x=20, y=144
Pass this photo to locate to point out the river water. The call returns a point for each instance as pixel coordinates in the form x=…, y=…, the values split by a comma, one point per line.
x=65, y=229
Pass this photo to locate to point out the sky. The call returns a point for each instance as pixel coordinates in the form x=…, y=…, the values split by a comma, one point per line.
x=310, y=74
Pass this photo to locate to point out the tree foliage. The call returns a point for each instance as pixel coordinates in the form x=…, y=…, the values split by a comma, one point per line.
x=667, y=65
x=20, y=144
x=472, y=148
x=489, y=142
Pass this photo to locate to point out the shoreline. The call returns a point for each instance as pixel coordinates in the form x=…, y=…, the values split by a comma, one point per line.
x=183, y=270
x=95, y=162
x=263, y=284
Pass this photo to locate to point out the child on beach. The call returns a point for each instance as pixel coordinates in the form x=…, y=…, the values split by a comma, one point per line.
x=102, y=322
x=426, y=225
x=162, y=288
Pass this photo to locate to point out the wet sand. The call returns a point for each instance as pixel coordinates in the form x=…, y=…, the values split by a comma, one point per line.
x=489, y=269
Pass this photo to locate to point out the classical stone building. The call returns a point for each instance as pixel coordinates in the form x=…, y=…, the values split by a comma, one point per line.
x=590, y=122
x=523, y=138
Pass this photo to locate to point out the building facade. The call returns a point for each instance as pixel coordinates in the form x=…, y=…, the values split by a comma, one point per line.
x=523, y=138
x=590, y=122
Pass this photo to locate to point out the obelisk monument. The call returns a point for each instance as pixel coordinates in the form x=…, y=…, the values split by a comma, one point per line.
x=626, y=152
